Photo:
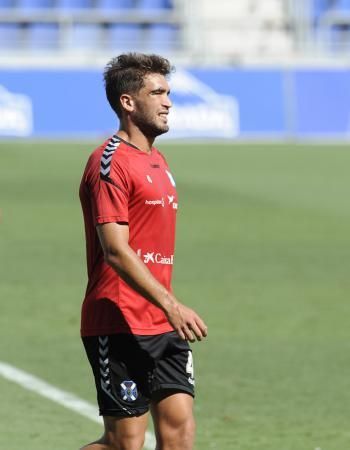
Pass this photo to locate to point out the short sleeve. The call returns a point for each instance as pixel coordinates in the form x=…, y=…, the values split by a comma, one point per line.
x=110, y=195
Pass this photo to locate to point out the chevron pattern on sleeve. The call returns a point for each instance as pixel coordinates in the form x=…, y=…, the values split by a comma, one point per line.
x=107, y=155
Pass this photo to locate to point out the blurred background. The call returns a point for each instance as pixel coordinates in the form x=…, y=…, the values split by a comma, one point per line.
x=258, y=145
x=245, y=68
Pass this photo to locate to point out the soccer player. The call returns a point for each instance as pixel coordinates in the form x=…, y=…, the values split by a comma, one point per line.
x=135, y=331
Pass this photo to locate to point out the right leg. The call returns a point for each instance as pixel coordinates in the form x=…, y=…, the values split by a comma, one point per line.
x=120, y=370
x=127, y=433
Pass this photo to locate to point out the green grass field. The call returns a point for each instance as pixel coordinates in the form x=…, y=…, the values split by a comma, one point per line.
x=263, y=253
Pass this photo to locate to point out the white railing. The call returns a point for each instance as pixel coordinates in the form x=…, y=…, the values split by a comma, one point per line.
x=225, y=32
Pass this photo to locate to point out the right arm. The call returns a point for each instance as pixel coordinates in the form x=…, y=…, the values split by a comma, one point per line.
x=114, y=238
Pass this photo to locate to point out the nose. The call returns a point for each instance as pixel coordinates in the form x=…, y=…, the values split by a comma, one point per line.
x=167, y=102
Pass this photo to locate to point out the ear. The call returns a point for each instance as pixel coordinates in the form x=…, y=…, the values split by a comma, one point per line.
x=127, y=102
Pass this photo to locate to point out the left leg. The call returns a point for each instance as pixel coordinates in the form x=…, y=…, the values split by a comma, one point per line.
x=174, y=423
x=121, y=433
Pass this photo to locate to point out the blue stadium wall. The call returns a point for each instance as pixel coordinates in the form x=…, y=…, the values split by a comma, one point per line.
x=225, y=103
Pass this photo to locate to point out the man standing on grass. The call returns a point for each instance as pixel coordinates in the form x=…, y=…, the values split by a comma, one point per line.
x=134, y=329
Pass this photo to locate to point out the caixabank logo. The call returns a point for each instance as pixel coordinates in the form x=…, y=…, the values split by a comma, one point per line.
x=199, y=111
x=16, y=114
x=155, y=257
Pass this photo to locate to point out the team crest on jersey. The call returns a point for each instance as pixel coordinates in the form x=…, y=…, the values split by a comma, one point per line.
x=171, y=201
x=128, y=391
x=171, y=178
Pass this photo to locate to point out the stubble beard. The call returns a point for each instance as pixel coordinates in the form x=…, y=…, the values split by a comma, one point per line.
x=147, y=124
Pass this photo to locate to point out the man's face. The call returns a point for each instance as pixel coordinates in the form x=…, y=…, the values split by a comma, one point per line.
x=152, y=106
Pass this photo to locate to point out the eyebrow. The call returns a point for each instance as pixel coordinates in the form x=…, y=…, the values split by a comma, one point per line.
x=161, y=90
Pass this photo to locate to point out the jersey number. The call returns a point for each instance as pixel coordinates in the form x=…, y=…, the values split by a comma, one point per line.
x=189, y=365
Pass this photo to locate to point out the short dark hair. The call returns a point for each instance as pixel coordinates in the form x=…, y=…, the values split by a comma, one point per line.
x=125, y=75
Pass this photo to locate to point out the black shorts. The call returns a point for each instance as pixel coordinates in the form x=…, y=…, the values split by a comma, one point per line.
x=130, y=370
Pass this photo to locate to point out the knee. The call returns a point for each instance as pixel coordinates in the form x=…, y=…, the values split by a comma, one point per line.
x=131, y=444
x=116, y=443
x=186, y=434
x=178, y=436
x=125, y=441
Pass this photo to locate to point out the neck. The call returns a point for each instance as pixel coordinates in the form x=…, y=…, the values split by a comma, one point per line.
x=137, y=138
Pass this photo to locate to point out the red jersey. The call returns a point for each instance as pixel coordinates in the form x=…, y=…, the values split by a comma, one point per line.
x=123, y=184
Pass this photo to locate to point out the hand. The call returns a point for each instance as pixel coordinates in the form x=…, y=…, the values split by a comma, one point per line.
x=186, y=322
